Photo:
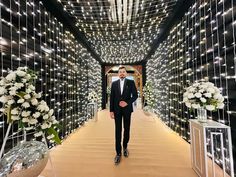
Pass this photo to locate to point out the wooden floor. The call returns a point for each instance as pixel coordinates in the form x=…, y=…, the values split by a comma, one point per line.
x=155, y=151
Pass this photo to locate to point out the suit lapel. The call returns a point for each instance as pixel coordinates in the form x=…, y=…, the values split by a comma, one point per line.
x=119, y=87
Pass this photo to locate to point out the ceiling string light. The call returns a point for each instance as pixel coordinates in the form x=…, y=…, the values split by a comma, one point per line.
x=119, y=31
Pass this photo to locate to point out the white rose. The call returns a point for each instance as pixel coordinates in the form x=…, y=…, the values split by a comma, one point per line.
x=21, y=101
x=198, y=95
x=45, y=117
x=12, y=92
x=20, y=73
x=14, y=111
x=50, y=136
x=19, y=85
x=34, y=102
x=33, y=121
x=25, y=120
x=44, y=126
x=15, y=117
x=191, y=95
x=196, y=84
x=25, y=113
x=31, y=87
x=28, y=77
x=26, y=105
x=2, y=90
x=3, y=99
x=201, y=90
x=49, y=124
x=220, y=105
x=24, y=80
x=46, y=108
x=10, y=102
x=36, y=115
x=2, y=110
x=221, y=99
x=27, y=96
x=11, y=76
x=217, y=96
x=203, y=100
x=38, y=134
x=191, y=89
x=185, y=99
x=2, y=82
x=28, y=91
x=51, y=112
x=55, y=121
x=209, y=84
x=211, y=90
x=38, y=95
x=210, y=107
x=208, y=95
x=188, y=104
x=196, y=106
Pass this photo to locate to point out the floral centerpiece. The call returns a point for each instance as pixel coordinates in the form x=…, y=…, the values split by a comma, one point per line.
x=148, y=94
x=22, y=104
x=203, y=96
x=92, y=97
x=108, y=91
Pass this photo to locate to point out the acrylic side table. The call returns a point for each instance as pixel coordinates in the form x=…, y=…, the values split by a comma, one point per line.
x=211, y=149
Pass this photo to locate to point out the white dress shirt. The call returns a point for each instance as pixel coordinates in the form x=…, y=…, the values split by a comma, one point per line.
x=122, y=85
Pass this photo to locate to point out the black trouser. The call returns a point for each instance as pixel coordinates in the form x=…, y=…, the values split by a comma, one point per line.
x=125, y=115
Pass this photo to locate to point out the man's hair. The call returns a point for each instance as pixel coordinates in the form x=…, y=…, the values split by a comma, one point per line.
x=122, y=67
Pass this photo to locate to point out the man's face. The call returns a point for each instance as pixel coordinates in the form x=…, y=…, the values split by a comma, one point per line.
x=122, y=73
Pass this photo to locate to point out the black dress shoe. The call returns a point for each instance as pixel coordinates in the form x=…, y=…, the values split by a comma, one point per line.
x=117, y=159
x=126, y=153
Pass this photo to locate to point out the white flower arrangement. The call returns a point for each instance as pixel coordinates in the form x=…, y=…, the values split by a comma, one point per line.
x=108, y=90
x=203, y=95
x=92, y=97
x=148, y=94
x=21, y=103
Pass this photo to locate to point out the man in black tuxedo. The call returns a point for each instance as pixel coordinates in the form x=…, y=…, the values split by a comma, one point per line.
x=123, y=94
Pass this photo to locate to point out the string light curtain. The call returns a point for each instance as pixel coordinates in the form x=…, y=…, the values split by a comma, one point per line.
x=201, y=46
x=120, y=31
x=30, y=36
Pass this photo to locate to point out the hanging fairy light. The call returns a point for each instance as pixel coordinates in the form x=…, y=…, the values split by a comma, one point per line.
x=30, y=36
x=119, y=31
x=201, y=46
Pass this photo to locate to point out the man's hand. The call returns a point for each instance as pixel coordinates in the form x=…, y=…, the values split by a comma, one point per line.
x=123, y=104
x=112, y=115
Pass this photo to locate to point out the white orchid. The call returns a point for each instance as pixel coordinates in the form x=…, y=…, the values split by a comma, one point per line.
x=26, y=105
x=3, y=99
x=20, y=102
x=25, y=114
x=27, y=96
x=2, y=90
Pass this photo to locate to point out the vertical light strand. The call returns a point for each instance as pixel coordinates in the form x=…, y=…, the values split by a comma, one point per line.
x=19, y=33
x=218, y=14
x=212, y=50
x=205, y=37
x=225, y=120
x=2, y=123
x=26, y=32
x=234, y=36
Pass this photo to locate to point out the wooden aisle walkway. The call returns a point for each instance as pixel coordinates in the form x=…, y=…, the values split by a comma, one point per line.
x=155, y=151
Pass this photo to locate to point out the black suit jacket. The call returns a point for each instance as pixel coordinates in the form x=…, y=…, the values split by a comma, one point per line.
x=129, y=95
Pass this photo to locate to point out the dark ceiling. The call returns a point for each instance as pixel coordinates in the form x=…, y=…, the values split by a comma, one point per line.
x=121, y=31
